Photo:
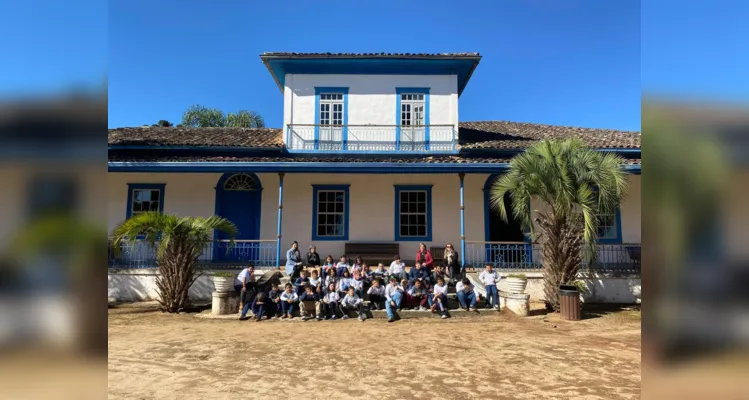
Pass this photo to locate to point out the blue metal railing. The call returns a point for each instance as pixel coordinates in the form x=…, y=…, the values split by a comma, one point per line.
x=217, y=255
x=528, y=257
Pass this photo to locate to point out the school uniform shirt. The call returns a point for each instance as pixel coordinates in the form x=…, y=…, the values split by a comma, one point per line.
x=351, y=301
x=300, y=282
x=274, y=294
x=309, y=297
x=380, y=272
x=440, y=289
x=357, y=284
x=314, y=281
x=355, y=267
x=331, y=279
x=245, y=274
x=461, y=287
x=285, y=296
x=396, y=268
x=340, y=266
x=379, y=291
x=332, y=297
x=414, y=291
x=390, y=291
x=488, y=278
x=344, y=284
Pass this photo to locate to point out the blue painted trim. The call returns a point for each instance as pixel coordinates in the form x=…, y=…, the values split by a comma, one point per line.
x=280, y=216
x=376, y=153
x=315, y=167
x=319, y=90
x=396, y=209
x=137, y=186
x=217, y=206
x=217, y=149
x=398, y=92
x=462, y=223
x=346, y=210
x=463, y=67
x=618, y=238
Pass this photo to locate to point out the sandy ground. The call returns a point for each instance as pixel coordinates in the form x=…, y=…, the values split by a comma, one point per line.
x=499, y=356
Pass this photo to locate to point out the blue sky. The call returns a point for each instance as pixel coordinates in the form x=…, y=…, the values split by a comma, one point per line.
x=544, y=61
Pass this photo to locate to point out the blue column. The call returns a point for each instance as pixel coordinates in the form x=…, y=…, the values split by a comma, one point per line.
x=280, y=214
x=462, y=223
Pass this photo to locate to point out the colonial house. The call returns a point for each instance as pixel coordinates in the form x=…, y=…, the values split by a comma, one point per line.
x=372, y=159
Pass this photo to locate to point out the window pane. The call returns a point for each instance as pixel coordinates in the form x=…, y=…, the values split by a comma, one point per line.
x=404, y=219
x=137, y=206
x=154, y=206
x=421, y=231
x=329, y=230
x=413, y=219
x=320, y=230
x=421, y=219
x=421, y=207
x=154, y=194
x=412, y=230
x=339, y=207
x=413, y=197
x=404, y=230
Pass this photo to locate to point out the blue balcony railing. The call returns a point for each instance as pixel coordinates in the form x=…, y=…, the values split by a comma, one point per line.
x=522, y=256
x=217, y=255
x=371, y=138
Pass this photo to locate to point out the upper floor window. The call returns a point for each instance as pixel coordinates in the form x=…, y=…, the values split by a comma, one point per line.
x=412, y=109
x=331, y=109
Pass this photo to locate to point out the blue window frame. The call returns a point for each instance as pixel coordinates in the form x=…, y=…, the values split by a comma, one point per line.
x=413, y=213
x=409, y=112
x=143, y=197
x=609, y=226
x=330, y=212
x=331, y=118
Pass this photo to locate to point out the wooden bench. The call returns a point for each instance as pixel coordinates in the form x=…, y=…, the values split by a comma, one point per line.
x=438, y=254
x=373, y=253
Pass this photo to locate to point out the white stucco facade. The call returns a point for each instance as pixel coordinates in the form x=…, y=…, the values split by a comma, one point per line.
x=372, y=205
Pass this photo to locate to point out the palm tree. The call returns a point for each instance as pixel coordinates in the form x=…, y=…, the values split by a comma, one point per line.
x=179, y=242
x=574, y=183
x=201, y=116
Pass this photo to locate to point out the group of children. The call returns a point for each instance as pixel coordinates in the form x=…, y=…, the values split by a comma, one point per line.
x=340, y=288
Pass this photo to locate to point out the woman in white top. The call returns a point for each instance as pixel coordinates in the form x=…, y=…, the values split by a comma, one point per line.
x=438, y=300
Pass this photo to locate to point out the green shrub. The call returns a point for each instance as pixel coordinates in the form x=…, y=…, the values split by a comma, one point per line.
x=520, y=276
x=224, y=275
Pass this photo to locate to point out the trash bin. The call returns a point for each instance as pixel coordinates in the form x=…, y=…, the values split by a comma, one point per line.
x=569, y=302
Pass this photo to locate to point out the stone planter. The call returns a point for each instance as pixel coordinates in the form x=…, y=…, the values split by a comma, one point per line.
x=516, y=285
x=223, y=284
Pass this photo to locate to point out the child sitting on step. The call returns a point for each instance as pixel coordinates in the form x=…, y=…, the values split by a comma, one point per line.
x=438, y=301
x=344, y=283
x=274, y=301
x=328, y=267
x=288, y=299
x=352, y=302
x=330, y=302
x=259, y=306
x=342, y=266
x=417, y=296
x=301, y=282
x=376, y=294
x=358, y=284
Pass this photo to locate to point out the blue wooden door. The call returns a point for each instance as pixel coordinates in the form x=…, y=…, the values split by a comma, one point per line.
x=239, y=202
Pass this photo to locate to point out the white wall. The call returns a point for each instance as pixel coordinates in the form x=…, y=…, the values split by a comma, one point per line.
x=371, y=98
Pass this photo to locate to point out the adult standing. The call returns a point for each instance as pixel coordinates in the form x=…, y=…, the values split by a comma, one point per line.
x=424, y=256
x=293, y=261
x=452, y=261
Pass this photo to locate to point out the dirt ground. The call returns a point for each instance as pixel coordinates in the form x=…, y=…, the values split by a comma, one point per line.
x=499, y=356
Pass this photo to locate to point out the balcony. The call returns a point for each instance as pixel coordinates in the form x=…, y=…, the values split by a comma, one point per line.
x=302, y=138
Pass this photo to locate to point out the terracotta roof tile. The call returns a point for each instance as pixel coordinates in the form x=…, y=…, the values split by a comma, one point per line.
x=517, y=135
x=197, y=137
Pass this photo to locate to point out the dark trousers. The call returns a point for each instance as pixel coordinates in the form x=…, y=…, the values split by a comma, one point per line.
x=376, y=299
x=412, y=301
x=287, y=307
x=259, y=311
x=359, y=308
x=493, y=294
x=330, y=308
x=274, y=308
